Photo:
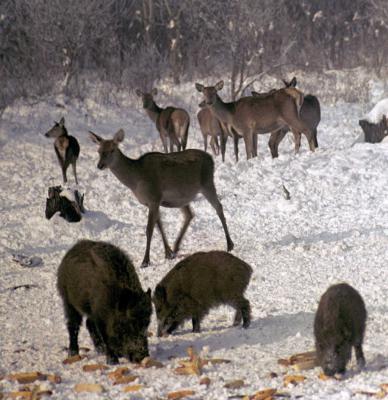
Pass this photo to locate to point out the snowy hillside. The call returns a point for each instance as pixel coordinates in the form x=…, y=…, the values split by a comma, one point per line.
x=334, y=228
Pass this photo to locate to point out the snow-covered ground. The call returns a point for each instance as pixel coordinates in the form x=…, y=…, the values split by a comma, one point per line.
x=334, y=228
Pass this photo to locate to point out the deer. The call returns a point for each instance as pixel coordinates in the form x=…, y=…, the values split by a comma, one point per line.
x=249, y=116
x=310, y=114
x=172, y=123
x=210, y=126
x=66, y=148
x=163, y=180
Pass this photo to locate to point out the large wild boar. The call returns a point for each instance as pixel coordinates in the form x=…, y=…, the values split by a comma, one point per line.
x=98, y=280
x=339, y=324
x=197, y=284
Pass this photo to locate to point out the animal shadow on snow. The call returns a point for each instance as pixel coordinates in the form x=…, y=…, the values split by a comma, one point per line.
x=262, y=331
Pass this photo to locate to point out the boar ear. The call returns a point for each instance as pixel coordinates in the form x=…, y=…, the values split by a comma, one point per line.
x=160, y=293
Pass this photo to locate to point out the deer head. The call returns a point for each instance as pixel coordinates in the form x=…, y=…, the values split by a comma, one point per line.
x=107, y=149
x=209, y=93
x=147, y=98
x=57, y=130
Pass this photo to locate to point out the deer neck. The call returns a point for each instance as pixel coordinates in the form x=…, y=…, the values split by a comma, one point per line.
x=223, y=111
x=154, y=111
x=125, y=169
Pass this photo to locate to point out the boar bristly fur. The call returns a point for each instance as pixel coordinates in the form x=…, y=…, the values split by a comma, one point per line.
x=197, y=284
x=97, y=280
x=339, y=325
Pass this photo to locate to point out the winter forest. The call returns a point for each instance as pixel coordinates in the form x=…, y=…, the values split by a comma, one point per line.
x=193, y=199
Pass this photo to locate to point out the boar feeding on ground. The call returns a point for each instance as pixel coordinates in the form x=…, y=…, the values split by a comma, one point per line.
x=339, y=324
x=97, y=280
x=197, y=284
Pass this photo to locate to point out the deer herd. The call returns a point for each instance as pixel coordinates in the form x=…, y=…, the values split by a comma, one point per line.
x=174, y=179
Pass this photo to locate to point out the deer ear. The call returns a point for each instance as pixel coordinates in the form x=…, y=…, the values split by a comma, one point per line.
x=96, y=139
x=138, y=92
x=154, y=92
x=293, y=82
x=219, y=85
x=119, y=136
x=199, y=87
x=62, y=121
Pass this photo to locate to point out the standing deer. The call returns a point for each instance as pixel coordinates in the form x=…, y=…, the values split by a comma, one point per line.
x=172, y=123
x=210, y=126
x=168, y=180
x=66, y=147
x=310, y=114
x=249, y=116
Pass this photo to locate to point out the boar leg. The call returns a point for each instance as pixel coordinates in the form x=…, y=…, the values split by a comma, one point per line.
x=74, y=319
x=95, y=335
x=243, y=311
x=359, y=356
x=196, y=324
x=111, y=357
x=237, y=318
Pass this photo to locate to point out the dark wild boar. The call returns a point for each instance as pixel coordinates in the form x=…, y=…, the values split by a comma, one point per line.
x=197, y=284
x=98, y=280
x=339, y=324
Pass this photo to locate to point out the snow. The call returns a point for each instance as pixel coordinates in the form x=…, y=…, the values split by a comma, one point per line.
x=378, y=111
x=334, y=228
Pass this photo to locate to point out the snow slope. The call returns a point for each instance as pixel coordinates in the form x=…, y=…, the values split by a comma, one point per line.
x=334, y=228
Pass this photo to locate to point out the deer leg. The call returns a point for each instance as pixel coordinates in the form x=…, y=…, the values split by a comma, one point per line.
x=248, y=139
x=224, y=138
x=167, y=250
x=315, y=133
x=163, y=138
x=254, y=145
x=205, y=141
x=274, y=141
x=188, y=215
x=153, y=216
x=213, y=145
x=235, y=142
x=210, y=194
x=75, y=172
x=297, y=139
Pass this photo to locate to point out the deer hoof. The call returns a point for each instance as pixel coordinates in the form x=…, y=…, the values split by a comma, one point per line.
x=145, y=264
x=230, y=245
x=170, y=255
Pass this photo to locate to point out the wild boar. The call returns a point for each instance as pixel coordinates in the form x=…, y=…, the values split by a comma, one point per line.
x=339, y=324
x=197, y=284
x=98, y=280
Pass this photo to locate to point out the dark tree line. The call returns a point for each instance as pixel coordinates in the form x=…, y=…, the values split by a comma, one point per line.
x=53, y=45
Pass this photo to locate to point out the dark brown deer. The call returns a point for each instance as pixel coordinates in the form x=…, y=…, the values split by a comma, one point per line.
x=66, y=147
x=168, y=180
x=210, y=126
x=310, y=114
x=171, y=122
x=249, y=116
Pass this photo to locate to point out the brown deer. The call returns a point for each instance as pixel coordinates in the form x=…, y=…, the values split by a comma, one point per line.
x=210, y=126
x=168, y=180
x=66, y=147
x=172, y=123
x=310, y=114
x=249, y=116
